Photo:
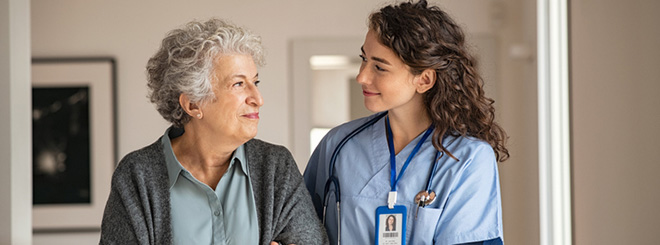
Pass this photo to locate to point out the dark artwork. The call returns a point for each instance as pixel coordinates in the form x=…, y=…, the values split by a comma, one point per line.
x=61, y=147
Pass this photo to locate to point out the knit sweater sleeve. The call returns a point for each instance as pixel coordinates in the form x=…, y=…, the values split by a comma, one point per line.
x=137, y=210
x=115, y=228
x=285, y=209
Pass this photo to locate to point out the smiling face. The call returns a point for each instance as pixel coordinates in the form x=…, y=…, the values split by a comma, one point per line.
x=390, y=220
x=387, y=82
x=234, y=114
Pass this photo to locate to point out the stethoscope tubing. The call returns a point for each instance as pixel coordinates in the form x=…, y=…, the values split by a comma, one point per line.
x=335, y=153
x=434, y=168
x=334, y=181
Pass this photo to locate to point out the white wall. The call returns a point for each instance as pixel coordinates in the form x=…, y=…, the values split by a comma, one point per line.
x=15, y=123
x=131, y=31
x=330, y=103
x=615, y=65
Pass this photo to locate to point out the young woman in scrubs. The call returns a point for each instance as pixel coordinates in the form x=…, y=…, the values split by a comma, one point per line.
x=416, y=68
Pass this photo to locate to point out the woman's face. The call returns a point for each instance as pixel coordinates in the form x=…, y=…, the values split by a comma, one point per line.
x=234, y=114
x=386, y=81
x=390, y=220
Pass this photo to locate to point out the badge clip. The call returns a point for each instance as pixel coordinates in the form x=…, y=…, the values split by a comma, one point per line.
x=391, y=199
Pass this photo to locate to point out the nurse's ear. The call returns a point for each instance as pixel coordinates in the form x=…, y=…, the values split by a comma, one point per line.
x=189, y=107
x=425, y=80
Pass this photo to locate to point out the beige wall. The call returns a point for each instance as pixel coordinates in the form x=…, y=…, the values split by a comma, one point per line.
x=615, y=65
x=518, y=113
x=131, y=31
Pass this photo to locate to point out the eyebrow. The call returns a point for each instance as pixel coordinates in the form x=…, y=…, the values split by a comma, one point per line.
x=381, y=60
x=244, y=77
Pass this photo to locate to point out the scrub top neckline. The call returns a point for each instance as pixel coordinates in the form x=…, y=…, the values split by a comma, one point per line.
x=381, y=152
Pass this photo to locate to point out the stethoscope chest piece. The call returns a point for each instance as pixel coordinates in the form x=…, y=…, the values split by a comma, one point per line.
x=424, y=198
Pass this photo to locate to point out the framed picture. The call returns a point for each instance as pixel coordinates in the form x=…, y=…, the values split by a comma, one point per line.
x=74, y=141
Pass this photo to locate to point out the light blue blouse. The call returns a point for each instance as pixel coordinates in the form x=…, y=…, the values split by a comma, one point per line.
x=467, y=207
x=201, y=215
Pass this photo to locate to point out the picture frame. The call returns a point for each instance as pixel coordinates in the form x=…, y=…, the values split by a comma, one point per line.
x=74, y=141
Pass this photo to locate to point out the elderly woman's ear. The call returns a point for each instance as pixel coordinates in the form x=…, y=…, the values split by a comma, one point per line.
x=189, y=107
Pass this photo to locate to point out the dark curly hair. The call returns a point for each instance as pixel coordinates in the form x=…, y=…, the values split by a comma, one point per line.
x=425, y=37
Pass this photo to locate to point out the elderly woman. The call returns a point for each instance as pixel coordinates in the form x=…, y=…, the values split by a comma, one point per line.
x=206, y=180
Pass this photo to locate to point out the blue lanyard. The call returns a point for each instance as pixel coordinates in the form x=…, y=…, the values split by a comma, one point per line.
x=390, y=143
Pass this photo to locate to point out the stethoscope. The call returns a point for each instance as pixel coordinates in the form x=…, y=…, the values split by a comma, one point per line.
x=334, y=181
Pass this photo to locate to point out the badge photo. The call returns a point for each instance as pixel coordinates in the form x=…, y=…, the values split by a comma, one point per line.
x=391, y=225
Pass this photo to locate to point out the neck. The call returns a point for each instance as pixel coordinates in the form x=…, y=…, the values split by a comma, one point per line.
x=407, y=124
x=206, y=159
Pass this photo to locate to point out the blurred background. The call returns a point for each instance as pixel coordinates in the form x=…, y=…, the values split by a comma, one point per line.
x=308, y=86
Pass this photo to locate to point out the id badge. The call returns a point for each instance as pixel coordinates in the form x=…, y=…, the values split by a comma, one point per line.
x=391, y=225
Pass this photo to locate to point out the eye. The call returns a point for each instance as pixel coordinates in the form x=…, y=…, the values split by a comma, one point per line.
x=379, y=68
x=237, y=84
x=256, y=83
x=363, y=58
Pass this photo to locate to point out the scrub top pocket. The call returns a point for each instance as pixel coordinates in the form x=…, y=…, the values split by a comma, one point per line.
x=423, y=228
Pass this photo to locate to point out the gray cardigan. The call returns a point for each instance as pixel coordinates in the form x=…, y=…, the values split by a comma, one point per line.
x=138, y=209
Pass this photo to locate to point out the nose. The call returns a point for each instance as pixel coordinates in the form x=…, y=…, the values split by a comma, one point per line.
x=254, y=98
x=362, y=77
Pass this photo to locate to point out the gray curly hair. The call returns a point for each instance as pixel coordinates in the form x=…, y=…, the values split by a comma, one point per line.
x=184, y=64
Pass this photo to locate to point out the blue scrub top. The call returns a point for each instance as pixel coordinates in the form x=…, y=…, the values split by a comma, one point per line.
x=467, y=207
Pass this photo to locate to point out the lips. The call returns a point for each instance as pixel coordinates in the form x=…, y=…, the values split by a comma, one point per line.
x=367, y=93
x=252, y=115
